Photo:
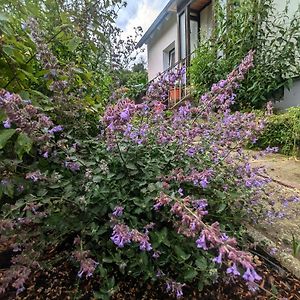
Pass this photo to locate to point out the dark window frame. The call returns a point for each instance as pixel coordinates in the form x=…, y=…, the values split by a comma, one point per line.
x=172, y=52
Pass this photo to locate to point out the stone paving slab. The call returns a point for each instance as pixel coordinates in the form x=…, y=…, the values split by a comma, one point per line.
x=276, y=237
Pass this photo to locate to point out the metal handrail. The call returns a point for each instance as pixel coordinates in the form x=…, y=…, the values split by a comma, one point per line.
x=180, y=92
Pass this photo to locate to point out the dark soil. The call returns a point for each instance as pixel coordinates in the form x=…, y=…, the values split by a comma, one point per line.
x=62, y=283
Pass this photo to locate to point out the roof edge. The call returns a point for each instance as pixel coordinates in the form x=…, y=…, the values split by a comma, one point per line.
x=155, y=24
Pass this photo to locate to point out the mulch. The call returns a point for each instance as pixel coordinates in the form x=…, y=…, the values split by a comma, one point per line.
x=61, y=282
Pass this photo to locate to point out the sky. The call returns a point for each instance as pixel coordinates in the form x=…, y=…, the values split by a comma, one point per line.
x=139, y=13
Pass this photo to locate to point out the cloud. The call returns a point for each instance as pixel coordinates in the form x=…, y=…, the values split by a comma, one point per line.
x=139, y=13
x=126, y=13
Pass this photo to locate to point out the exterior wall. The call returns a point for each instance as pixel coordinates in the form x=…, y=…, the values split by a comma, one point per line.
x=291, y=97
x=163, y=38
x=293, y=6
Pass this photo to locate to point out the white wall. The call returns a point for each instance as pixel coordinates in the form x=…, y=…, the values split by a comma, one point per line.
x=291, y=97
x=163, y=38
x=293, y=6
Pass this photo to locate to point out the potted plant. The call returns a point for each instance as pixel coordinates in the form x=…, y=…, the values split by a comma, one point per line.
x=175, y=93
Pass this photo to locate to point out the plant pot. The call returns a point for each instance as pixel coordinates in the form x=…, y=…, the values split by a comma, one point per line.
x=175, y=94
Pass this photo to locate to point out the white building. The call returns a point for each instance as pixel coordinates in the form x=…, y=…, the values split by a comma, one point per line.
x=175, y=34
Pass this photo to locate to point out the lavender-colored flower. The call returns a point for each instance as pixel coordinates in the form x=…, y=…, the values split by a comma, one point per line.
x=87, y=264
x=253, y=287
x=121, y=235
x=87, y=267
x=145, y=245
x=191, y=152
x=45, y=154
x=273, y=251
x=7, y=123
x=233, y=270
x=156, y=254
x=160, y=273
x=56, y=129
x=125, y=115
x=200, y=204
x=142, y=239
x=251, y=275
x=180, y=192
x=35, y=176
x=73, y=166
x=175, y=288
x=204, y=183
x=218, y=259
x=201, y=242
x=118, y=211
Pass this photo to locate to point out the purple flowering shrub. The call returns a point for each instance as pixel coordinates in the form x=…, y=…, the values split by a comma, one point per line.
x=159, y=88
x=157, y=195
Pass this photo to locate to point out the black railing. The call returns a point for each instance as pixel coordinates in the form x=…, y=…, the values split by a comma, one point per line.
x=180, y=90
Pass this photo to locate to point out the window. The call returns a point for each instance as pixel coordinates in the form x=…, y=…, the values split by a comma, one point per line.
x=194, y=35
x=169, y=57
x=182, y=32
x=172, y=58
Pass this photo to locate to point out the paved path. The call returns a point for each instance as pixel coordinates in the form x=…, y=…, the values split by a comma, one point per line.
x=278, y=234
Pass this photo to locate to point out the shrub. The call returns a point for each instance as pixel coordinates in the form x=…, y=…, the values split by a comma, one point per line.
x=282, y=130
x=241, y=26
x=157, y=195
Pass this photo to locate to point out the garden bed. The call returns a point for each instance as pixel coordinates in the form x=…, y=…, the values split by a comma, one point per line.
x=61, y=283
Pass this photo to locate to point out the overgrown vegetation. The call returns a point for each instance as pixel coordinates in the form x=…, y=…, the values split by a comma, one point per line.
x=239, y=27
x=134, y=191
x=282, y=130
x=83, y=37
x=143, y=197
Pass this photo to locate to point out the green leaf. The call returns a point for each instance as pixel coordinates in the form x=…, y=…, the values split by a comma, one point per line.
x=5, y=135
x=221, y=208
x=201, y=263
x=180, y=253
x=23, y=145
x=3, y=17
x=131, y=166
x=2, y=115
x=28, y=75
x=8, y=49
x=190, y=274
x=73, y=43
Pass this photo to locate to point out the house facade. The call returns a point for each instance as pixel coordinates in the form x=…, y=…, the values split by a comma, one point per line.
x=176, y=33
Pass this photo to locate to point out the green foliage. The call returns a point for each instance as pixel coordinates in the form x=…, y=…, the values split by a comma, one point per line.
x=295, y=246
x=5, y=135
x=245, y=25
x=131, y=83
x=81, y=204
x=283, y=131
x=78, y=36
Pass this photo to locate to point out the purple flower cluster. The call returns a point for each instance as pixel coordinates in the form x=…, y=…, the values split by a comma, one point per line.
x=87, y=265
x=190, y=213
x=118, y=211
x=122, y=235
x=159, y=88
x=35, y=176
x=55, y=129
x=72, y=165
x=175, y=288
x=208, y=142
x=25, y=117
